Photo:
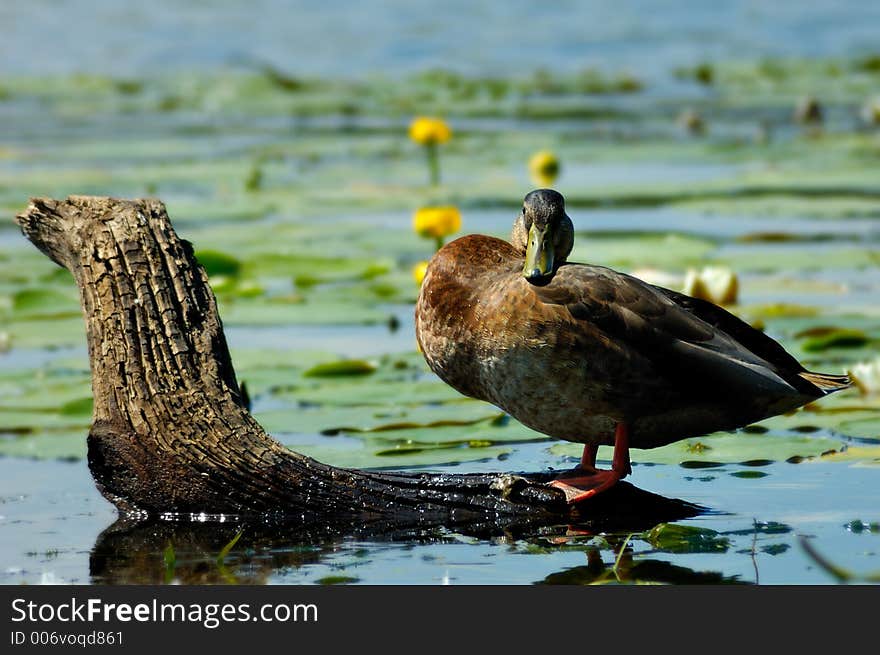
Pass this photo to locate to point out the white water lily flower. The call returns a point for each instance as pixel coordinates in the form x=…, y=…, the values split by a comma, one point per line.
x=866, y=376
x=715, y=284
x=871, y=111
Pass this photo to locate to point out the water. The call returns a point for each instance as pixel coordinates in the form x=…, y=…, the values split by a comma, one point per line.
x=353, y=40
x=52, y=531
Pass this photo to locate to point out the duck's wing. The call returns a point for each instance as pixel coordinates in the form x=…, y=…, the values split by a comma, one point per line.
x=692, y=342
x=756, y=341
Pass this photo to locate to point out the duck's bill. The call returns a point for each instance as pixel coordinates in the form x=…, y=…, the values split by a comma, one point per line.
x=539, y=254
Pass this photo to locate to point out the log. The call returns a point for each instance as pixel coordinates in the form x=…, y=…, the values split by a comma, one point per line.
x=171, y=434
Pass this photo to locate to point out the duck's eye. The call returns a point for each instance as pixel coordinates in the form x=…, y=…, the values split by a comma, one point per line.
x=524, y=211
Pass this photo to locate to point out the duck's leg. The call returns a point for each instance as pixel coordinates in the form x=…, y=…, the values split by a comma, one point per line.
x=588, y=458
x=588, y=481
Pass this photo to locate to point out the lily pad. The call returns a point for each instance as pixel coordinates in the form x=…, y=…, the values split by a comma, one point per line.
x=78, y=407
x=342, y=368
x=725, y=448
x=45, y=302
x=819, y=340
x=65, y=445
x=371, y=457
x=334, y=420
x=218, y=263
x=679, y=538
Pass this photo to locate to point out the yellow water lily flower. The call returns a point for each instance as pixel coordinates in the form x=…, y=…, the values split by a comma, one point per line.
x=426, y=130
x=429, y=133
x=436, y=222
x=544, y=167
x=419, y=271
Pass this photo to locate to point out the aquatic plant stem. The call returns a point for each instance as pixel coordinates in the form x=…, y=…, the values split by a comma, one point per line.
x=433, y=163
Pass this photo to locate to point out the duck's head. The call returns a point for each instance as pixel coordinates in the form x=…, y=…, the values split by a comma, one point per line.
x=544, y=233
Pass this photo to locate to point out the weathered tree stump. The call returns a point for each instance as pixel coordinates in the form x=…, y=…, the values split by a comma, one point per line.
x=171, y=434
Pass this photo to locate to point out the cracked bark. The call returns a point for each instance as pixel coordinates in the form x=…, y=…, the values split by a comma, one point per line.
x=170, y=431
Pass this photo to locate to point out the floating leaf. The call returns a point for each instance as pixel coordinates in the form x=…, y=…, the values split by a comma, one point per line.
x=81, y=406
x=779, y=309
x=44, y=302
x=337, y=579
x=677, y=538
x=858, y=526
x=365, y=455
x=46, y=445
x=410, y=447
x=762, y=527
x=347, y=367
x=694, y=464
x=819, y=339
x=410, y=425
x=300, y=311
x=862, y=454
x=726, y=448
x=218, y=263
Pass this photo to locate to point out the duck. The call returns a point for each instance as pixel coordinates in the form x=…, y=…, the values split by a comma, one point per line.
x=587, y=354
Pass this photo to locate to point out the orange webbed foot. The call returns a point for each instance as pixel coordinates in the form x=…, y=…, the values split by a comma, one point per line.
x=587, y=481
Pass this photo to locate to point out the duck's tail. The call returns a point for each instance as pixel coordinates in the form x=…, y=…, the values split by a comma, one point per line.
x=827, y=383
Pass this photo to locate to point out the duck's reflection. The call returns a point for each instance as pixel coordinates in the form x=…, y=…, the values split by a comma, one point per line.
x=623, y=569
x=187, y=552
x=642, y=571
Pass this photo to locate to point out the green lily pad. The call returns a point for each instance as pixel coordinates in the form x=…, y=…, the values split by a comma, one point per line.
x=372, y=457
x=258, y=311
x=819, y=340
x=65, y=445
x=678, y=538
x=342, y=368
x=45, y=302
x=13, y=421
x=725, y=448
x=78, y=407
x=48, y=333
x=337, y=580
x=333, y=420
x=775, y=549
x=218, y=263
x=668, y=252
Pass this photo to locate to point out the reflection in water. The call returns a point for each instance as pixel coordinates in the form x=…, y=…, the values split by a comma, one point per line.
x=188, y=552
x=624, y=569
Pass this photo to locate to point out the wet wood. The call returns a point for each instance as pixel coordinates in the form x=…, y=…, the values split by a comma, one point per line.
x=171, y=433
